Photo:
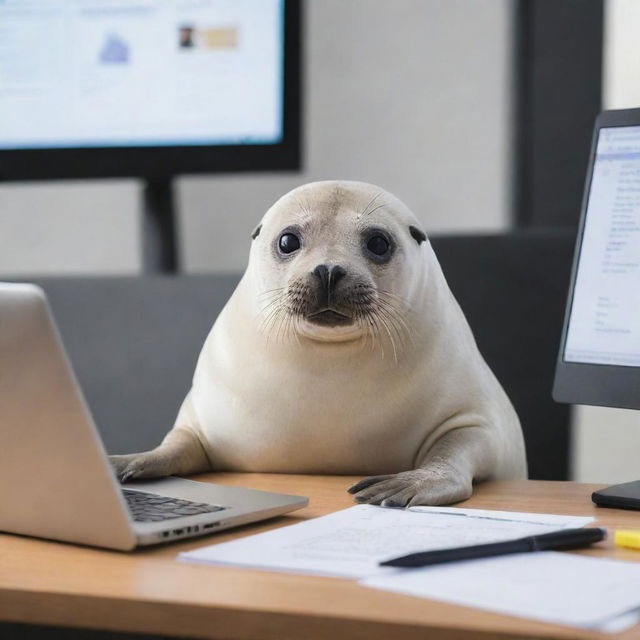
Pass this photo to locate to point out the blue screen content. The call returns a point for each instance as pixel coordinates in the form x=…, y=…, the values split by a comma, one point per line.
x=99, y=73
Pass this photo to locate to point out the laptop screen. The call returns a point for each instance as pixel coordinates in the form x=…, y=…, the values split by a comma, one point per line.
x=604, y=322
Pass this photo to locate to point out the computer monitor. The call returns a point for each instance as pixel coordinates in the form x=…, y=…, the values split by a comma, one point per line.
x=149, y=89
x=599, y=356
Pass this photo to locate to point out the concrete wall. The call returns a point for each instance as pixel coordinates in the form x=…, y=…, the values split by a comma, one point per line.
x=607, y=441
x=70, y=227
x=413, y=95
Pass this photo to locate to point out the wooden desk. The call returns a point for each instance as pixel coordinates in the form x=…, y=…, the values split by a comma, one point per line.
x=148, y=591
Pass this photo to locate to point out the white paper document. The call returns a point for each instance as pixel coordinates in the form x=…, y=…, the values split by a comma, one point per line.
x=560, y=588
x=351, y=543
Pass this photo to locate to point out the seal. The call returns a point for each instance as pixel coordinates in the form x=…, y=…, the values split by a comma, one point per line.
x=343, y=351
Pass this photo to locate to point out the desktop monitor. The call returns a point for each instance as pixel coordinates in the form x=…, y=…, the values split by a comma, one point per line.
x=599, y=356
x=147, y=88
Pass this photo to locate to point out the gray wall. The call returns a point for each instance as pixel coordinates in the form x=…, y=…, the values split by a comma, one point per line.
x=413, y=95
x=70, y=227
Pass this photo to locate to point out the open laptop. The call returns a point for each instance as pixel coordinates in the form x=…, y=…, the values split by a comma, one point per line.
x=55, y=478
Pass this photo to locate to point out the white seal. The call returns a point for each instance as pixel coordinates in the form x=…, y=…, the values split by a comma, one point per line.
x=343, y=351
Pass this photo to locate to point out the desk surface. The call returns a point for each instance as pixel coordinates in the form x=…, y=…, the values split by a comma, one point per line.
x=147, y=591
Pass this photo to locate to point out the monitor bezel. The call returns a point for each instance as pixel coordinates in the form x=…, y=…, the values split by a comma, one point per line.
x=586, y=383
x=162, y=162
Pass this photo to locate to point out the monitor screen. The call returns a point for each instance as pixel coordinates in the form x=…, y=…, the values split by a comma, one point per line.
x=604, y=320
x=136, y=73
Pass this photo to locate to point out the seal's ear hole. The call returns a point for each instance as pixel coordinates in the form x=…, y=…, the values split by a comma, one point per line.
x=256, y=232
x=418, y=235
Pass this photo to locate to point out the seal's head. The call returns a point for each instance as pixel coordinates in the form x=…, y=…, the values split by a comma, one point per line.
x=336, y=262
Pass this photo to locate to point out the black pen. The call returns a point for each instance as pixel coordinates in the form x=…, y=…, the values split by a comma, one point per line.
x=556, y=541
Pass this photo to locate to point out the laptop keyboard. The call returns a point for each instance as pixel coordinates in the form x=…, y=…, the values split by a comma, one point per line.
x=149, y=507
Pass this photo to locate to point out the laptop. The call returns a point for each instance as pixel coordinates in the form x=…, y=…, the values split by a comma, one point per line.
x=55, y=478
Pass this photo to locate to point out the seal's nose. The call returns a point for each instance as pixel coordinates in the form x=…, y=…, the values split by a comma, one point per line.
x=329, y=275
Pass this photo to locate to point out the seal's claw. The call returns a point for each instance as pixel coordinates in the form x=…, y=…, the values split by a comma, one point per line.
x=400, y=499
x=367, y=482
x=378, y=492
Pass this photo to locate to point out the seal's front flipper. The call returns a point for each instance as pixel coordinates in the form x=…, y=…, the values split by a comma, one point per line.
x=139, y=465
x=180, y=453
x=434, y=485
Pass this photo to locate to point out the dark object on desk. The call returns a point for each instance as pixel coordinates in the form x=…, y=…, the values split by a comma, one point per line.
x=555, y=541
x=512, y=288
x=619, y=496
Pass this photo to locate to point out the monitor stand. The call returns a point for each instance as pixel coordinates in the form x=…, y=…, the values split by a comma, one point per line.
x=159, y=242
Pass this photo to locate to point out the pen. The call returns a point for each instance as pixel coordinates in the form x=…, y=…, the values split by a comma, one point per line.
x=558, y=540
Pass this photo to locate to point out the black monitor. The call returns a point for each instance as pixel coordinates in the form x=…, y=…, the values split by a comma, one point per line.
x=148, y=89
x=599, y=356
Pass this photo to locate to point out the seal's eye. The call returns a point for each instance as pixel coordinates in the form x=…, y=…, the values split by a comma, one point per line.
x=288, y=243
x=378, y=245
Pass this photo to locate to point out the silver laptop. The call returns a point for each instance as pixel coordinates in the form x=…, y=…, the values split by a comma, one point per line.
x=55, y=479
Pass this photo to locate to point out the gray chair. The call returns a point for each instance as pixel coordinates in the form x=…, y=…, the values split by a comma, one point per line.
x=513, y=290
x=134, y=341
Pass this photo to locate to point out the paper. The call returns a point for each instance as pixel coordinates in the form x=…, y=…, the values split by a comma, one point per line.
x=560, y=588
x=351, y=543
